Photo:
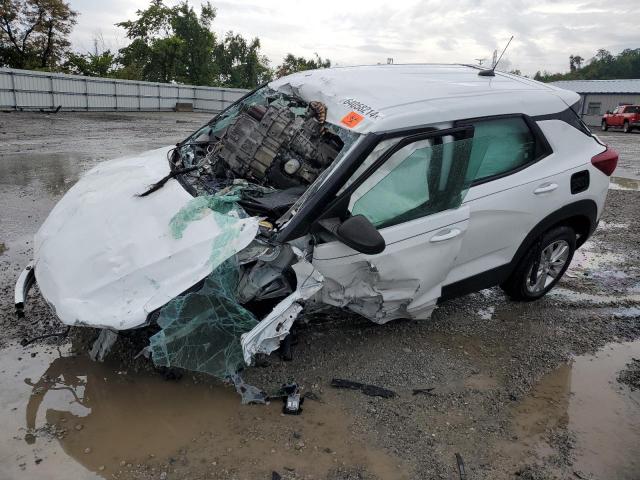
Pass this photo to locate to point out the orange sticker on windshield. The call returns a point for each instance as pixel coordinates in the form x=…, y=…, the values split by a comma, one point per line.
x=352, y=119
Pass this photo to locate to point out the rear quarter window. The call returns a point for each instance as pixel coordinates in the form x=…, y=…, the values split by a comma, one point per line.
x=501, y=146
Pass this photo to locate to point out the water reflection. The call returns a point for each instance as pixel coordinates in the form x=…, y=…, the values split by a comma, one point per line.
x=54, y=172
x=110, y=416
x=585, y=397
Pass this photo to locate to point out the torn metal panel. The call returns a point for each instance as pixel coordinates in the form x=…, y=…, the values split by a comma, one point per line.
x=267, y=335
x=358, y=286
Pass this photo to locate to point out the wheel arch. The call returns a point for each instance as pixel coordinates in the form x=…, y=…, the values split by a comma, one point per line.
x=581, y=216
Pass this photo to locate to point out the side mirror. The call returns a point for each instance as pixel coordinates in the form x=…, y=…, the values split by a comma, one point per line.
x=356, y=232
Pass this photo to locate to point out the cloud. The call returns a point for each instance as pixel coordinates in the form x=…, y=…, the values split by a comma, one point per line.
x=370, y=31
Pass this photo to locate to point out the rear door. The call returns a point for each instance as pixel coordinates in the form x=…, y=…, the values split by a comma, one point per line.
x=616, y=117
x=411, y=189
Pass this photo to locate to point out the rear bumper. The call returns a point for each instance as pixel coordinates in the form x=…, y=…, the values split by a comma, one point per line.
x=25, y=281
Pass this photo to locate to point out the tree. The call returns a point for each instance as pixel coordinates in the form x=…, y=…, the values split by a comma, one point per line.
x=292, y=64
x=91, y=64
x=239, y=63
x=604, y=65
x=577, y=61
x=175, y=44
x=34, y=33
x=170, y=44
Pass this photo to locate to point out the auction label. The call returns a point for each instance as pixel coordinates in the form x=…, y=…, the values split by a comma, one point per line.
x=362, y=108
x=352, y=119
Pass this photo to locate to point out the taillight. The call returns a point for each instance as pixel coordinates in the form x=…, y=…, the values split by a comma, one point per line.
x=606, y=161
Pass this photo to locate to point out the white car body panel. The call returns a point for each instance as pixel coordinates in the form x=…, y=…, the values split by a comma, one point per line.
x=106, y=258
x=403, y=281
x=505, y=210
x=402, y=96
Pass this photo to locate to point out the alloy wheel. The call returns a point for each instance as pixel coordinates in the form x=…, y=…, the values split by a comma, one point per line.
x=547, y=266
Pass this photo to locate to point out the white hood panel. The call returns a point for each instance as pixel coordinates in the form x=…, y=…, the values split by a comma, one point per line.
x=107, y=258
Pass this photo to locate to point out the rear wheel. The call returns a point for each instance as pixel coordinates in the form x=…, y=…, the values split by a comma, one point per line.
x=542, y=266
x=626, y=128
x=604, y=126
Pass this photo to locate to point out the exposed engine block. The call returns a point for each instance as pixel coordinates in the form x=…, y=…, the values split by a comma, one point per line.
x=274, y=145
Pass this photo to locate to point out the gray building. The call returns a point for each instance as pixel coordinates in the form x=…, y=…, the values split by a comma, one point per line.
x=600, y=96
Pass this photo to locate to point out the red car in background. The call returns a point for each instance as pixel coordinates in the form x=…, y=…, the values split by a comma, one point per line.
x=626, y=117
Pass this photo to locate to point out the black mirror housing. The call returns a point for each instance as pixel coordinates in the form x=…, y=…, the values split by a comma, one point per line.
x=356, y=232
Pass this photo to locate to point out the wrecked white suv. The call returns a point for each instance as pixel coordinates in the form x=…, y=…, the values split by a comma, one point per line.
x=381, y=189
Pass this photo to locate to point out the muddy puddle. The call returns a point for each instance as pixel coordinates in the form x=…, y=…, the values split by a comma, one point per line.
x=600, y=415
x=65, y=416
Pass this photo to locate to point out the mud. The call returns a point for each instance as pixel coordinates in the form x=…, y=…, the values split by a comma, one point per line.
x=110, y=421
x=519, y=390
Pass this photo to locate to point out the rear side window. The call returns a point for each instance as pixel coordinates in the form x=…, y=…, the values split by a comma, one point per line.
x=500, y=146
x=633, y=109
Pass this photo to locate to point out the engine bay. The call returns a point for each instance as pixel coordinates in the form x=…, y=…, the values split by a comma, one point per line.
x=275, y=143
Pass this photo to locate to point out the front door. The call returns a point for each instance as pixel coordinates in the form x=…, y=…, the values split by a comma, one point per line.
x=412, y=192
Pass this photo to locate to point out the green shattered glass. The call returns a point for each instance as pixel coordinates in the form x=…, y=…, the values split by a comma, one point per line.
x=226, y=214
x=201, y=330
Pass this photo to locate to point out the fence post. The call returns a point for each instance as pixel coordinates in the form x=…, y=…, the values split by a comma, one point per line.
x=139, y=97
x=115, y=93
x=53, y=100
x=13, y=88
x=86, y=92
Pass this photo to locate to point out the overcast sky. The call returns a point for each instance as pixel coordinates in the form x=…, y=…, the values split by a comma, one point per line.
x=370, y=31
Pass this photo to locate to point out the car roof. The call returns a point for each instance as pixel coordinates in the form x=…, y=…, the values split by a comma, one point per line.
x=389, y=97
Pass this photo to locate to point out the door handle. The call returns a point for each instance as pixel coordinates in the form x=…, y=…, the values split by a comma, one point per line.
x=545, y=188
x=445, y=234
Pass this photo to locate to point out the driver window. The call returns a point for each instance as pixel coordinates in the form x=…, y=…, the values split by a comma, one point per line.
x=419, y=179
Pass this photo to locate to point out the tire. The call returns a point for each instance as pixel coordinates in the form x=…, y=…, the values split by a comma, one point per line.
x=604, y=126
x=525, y=285
x=626, y=128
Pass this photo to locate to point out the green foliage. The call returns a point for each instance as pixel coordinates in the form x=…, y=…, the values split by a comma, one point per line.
x=34, y=33
x=292, y=64
x=170, y=44
x=167, y=44
x=91, y=64
x=239, y=63
x=602, y=66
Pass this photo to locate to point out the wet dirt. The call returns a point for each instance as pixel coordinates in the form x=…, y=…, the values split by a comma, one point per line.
x=504, y=396
x=62, y=407
x=582, y=397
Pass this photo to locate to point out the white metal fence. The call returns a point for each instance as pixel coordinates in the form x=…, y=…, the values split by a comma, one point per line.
x=31, y=90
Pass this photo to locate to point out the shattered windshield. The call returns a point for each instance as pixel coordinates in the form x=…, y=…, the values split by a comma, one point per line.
x=273, y=143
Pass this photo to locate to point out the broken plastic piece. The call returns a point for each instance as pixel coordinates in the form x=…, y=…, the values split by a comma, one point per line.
x=293, y=400
x=103, y=344
x=461, y=470
x=267, y=335
x=371, y=390
x=249, y=393
x=424, y=391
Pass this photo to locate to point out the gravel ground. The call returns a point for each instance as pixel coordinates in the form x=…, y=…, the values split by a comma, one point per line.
x=483, y=356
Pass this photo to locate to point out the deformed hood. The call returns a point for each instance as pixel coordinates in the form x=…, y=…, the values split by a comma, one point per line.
x=107, y=258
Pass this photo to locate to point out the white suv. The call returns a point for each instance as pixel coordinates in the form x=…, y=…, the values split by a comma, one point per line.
x=382, y=189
